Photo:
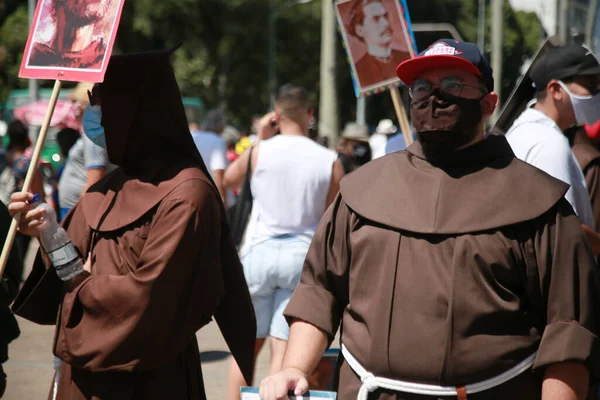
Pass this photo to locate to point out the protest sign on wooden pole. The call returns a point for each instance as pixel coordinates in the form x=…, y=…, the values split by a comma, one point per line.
x=10, y=238
x=64, y=49
x=397, y=99
x=401, y=114
x=371, y=72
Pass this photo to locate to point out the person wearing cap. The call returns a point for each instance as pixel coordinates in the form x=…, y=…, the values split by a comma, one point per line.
x=461, y=273
x=354, y=150
x=567, y=80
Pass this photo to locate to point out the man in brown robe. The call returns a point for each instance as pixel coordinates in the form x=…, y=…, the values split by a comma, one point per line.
x=455, y=269
x=158, y=249
x=588, y=157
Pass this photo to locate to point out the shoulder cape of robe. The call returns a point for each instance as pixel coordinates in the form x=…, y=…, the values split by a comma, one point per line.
x=479, y=188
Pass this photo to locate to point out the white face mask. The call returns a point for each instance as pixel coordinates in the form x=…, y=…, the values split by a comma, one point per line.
x=587, y=108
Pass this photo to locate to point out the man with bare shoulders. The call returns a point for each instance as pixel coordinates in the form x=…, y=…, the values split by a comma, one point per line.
x=293, y=181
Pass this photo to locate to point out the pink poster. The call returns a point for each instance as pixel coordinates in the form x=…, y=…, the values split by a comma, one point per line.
x=71, y=40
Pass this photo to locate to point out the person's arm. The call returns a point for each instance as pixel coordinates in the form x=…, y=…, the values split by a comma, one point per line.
x=306, y=346
x=565, y=381
x=218, y=178
x=235, y=174
x=95, y=160
x=93, y=176
x=337, y=173
x=563, y=296
x=233, y=178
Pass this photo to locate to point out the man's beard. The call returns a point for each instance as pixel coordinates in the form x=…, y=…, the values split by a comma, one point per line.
x=84, y=12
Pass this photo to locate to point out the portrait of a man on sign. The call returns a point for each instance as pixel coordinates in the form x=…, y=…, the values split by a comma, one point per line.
x=375, y=38
x=72, y=34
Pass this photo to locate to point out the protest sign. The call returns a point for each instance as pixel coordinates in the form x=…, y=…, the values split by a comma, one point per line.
x=71, y=40
x=377, y=36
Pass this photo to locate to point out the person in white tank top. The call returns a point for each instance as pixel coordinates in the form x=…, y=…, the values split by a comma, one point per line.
x=294, y=180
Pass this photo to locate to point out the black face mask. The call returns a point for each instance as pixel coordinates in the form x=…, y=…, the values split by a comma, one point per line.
x=444, y=123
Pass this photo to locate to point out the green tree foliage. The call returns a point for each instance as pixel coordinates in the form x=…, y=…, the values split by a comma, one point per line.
x=223, y=58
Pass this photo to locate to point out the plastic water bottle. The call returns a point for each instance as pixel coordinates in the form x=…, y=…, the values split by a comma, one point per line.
x=57, y=245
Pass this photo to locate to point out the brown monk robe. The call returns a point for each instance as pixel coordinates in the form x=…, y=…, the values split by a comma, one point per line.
x=588, y=157
x=162, y=259
x=450, y=271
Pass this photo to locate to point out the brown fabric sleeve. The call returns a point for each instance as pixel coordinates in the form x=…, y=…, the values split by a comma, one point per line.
x=568, y=287
x=322, y=295
x=592, y=179
x=141, y=320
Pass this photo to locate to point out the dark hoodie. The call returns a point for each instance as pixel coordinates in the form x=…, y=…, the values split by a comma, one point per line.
x=163, y=263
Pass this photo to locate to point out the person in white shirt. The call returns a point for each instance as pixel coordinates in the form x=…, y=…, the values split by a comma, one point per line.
x=293, y=181
x=567, y=80
x=379, y=139
x=212, y=147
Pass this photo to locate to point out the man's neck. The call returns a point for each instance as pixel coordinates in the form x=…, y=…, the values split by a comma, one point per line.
x=72, y=39
x=382, y=52
x=291, y=128
x=550, y=112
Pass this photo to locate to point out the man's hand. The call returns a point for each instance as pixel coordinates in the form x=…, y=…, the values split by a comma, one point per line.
x=31, y=219
x=277, y=386
x=267, y=127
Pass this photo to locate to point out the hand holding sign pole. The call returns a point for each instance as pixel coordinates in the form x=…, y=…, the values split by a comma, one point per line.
x=377, y=36
x=70, y=40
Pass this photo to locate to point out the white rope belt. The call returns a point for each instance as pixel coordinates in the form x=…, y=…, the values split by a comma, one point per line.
x=370, y=383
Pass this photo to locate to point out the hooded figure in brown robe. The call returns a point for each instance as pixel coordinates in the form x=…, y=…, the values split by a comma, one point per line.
x=448, y=264
x=162, y=261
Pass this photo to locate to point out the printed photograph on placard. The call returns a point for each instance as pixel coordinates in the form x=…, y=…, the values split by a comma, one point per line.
x=70, y=39
x=377, y=35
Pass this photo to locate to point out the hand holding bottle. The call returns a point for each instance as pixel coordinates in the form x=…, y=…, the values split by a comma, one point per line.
x=39, y=219
x=31, y=217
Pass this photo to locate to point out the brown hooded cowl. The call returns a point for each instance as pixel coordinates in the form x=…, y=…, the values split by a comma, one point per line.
x=451, y=270
x=163, y=263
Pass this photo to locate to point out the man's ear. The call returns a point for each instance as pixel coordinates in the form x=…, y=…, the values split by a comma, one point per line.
x=489, y=104
x=555, y=90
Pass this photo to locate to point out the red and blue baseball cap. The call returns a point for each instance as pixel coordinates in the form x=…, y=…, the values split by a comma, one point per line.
x=448, y=53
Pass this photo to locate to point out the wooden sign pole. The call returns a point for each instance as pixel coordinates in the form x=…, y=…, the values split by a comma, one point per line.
x=401, y=114
x=10, y=238
x=397, y=99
